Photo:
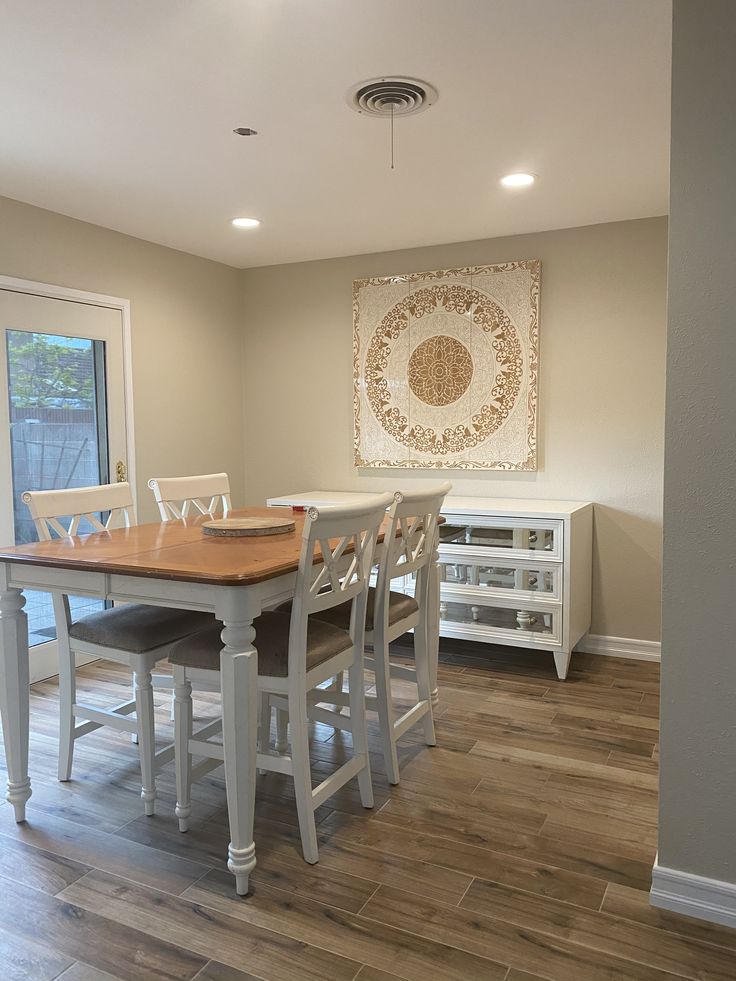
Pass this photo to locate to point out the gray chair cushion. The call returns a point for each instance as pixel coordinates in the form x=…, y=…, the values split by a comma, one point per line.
x=202, y=650
x=137, y=627
x=400, y=607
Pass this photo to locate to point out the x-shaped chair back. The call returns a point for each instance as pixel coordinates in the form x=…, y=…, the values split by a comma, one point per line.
x=177, y=497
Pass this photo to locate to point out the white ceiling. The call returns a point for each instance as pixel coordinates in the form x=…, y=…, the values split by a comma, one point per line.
x=120, y=112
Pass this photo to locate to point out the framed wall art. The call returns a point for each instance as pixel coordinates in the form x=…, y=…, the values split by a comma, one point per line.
x=446, y=367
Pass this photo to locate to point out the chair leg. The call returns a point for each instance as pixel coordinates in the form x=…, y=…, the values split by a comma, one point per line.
x=303, y=774
x=264, y=723
x=67, y=698
x=424, y=686
x=182, y=734
x=134, y=735
x=358, y=728
x=337, y=685
x=282, y=730
x=146, y=737
x=264, y=726
x=384, y=699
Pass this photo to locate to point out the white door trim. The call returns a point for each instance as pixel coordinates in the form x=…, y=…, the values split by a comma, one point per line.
x=100, y=300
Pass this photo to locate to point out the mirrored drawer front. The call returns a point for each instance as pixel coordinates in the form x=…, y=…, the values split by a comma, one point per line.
x=542, y=580
x=520, y=621
x=516, y=534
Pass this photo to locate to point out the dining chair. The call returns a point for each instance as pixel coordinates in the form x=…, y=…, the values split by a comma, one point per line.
x=177, y=498
x=134, y=634
x=296, y=652
x=204, y=494
x=408, y=551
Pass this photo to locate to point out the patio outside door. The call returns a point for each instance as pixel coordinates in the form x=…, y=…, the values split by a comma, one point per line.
x=62, y=423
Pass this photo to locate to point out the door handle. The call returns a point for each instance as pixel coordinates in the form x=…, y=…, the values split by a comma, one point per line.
x=121, y=472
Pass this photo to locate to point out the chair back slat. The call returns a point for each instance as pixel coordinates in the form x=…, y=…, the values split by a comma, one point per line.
x=177, y=497
x=335, y=564
x=410, y=542
x=49, y=509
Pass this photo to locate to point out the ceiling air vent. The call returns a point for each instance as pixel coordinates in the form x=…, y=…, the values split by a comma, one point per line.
x=392, y=96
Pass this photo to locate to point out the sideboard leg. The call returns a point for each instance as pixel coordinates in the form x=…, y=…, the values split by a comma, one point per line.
x=562, y=663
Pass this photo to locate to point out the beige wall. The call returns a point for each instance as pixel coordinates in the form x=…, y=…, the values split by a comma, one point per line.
x=601, y=391
x=186, y=335
x=698, y=768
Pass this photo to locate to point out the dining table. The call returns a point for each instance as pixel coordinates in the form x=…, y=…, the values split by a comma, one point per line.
x=172, y=564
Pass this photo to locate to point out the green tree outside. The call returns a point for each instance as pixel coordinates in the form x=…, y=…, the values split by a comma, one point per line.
x=45, y=373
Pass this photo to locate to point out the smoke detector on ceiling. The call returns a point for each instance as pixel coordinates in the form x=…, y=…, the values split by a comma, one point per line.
x=392, y=96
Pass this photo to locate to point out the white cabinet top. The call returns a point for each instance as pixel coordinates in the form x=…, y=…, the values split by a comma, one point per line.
x=453, y=505
x=520, y=507
x=317, y=497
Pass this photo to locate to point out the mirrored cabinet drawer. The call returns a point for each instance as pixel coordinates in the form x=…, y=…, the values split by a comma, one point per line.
x=545, y=625
x=541, y=580
x=510, y=535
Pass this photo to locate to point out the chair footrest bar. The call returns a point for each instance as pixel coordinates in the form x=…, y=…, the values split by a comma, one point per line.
x=323, y=696
x=125, y=708
x=164, y=756
x=274, y=763
x=203, y=768
x=211, y=729
x=86, y=728
x=403, y=672
x=334, y=719
x=212, y=751
x=105, y=717
x=410, y=718
x=336, y=780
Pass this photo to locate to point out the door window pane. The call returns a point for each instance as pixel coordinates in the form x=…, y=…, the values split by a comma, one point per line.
x=58, y=437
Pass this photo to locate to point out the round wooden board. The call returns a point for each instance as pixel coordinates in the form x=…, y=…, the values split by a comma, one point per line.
x=247, y=527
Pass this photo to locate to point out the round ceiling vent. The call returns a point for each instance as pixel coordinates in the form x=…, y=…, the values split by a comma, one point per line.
x=389, y=96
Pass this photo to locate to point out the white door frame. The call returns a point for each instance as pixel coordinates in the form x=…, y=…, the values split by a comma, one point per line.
x=46, y=662
x=97, y=300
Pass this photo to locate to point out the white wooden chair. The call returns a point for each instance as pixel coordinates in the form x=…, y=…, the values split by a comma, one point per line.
x=296, y=653
x=204, y=494
x=409, y=550
x=177, y=498
x=134, y=634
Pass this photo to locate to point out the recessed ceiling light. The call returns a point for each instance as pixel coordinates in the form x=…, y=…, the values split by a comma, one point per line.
x=518, y=180
x=246, y=222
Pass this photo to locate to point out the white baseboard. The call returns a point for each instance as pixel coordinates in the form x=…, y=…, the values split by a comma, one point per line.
x=636, y=650
x=694, y=895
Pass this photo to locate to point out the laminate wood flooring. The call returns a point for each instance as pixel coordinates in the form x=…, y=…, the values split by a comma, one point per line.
x=518, y=849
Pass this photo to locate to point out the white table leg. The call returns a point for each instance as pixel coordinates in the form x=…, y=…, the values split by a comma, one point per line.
x=239, y=684
x=14, y=694
x=433, y=622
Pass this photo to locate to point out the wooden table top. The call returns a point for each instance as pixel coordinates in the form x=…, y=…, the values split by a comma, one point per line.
x=176, y=550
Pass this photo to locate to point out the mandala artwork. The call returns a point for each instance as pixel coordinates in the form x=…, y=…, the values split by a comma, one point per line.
x=445, y=368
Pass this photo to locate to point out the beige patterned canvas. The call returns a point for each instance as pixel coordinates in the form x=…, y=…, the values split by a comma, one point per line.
x=445, y=368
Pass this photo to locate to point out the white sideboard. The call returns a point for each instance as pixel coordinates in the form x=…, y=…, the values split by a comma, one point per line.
x=515, y=572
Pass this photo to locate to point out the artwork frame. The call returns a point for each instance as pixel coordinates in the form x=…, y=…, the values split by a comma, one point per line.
x=446, y=368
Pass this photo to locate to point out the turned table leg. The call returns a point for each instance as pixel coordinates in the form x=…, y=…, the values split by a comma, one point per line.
x=239, y=683
x=14, y=694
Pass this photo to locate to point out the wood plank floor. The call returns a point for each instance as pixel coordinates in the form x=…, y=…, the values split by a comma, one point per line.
x=519, y=848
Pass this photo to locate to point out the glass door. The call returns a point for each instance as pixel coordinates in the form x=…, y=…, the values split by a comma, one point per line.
x=62, y=423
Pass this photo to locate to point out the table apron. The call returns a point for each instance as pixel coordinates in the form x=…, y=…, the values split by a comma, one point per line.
x=143, y=589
